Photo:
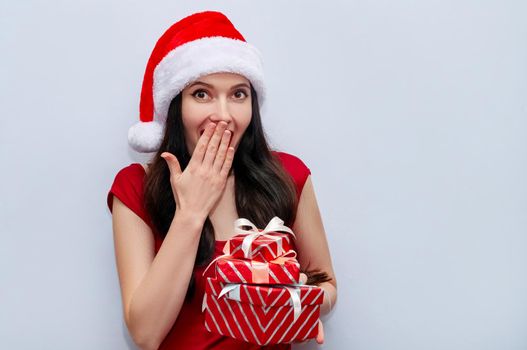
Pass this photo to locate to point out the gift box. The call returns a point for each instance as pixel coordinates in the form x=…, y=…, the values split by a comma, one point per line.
x=262, y=315
x=260, y=245
x=283, y=270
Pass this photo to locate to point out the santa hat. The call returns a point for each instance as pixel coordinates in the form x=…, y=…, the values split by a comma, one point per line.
x=200, y=44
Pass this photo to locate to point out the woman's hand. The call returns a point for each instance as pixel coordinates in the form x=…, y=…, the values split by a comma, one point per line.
x=320, y=336
x=198, y=188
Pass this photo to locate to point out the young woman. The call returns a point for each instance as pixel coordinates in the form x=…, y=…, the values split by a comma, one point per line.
x=199, y=113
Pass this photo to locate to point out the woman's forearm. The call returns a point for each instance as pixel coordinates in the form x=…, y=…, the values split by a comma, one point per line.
x=330, y=298
x=158, y=299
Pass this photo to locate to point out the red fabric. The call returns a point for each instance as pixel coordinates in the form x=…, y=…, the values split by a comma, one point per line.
x=188, y=332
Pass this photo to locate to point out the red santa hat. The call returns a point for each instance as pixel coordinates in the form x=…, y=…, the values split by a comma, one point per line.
x=200, y=44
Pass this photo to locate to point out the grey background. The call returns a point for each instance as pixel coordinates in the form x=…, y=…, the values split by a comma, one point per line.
x=410, y=114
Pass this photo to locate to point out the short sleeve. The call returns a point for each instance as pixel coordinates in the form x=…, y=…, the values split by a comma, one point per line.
x=296, y=168
x=128, y=187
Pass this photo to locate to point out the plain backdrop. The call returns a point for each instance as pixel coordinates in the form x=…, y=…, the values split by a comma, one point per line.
x=411, y=115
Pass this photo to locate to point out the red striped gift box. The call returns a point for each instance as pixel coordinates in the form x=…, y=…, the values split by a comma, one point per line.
x=263, y=248
x=262, y=314
x=284, y=270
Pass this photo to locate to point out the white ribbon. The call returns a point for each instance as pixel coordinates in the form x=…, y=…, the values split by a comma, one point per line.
x=275, y=225
x=295, y=300
x=204, y=304
x=233, y=292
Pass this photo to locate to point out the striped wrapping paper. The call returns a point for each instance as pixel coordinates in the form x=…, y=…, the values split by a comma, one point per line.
x=246, y=271
x=263, y=248
x=262, y=314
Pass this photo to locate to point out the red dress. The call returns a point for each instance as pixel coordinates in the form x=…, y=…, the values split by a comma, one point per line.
x=189, y=332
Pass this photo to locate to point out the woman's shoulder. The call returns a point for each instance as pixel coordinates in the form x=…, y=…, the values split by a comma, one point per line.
x=292, y=163
x=298, y=170
x=128, y=186
x=131, y=173
x=132, y=169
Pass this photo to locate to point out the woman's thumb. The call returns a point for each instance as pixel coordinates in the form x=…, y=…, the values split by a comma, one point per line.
x=173, y=164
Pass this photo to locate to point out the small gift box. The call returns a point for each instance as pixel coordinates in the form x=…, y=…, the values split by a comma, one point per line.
x=260, y=245
x=262, y=314
x=282, y=270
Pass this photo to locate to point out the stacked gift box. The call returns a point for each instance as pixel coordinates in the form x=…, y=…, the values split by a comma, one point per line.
x=255, y=295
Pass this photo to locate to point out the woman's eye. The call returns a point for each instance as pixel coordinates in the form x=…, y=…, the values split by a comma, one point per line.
x=201, y=94
x=240, y=94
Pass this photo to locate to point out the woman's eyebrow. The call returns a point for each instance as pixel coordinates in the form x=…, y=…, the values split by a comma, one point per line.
x=211, y=86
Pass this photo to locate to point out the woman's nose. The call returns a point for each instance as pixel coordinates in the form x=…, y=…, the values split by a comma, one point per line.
x=222, y=112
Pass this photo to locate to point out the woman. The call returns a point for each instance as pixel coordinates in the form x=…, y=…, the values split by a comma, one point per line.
x=199, y=113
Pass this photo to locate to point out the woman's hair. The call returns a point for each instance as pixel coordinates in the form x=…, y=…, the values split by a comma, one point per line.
x=263, y=189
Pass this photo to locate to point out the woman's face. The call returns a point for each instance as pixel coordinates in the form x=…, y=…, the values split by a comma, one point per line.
x=213, y=98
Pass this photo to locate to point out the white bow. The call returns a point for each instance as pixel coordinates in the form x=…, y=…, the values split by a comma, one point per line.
x=275, y=225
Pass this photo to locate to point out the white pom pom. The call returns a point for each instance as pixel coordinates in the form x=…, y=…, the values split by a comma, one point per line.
x=145, y=136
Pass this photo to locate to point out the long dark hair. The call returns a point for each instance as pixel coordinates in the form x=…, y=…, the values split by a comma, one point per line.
x=263, y=189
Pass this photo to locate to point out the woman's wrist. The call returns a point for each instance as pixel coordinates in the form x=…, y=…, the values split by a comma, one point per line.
x=189, y=218
x=329, y=298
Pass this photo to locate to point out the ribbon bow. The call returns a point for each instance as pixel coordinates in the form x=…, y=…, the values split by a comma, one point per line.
x=260, y=270
x=275, y=225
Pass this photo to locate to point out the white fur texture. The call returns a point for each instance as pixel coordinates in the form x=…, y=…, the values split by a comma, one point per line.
x=146, y=136
x=197, y=58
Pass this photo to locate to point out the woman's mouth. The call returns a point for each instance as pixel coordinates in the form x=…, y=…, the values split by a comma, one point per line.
x=202, y=131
